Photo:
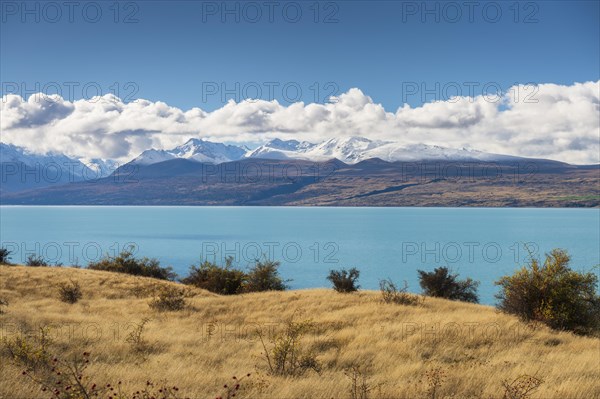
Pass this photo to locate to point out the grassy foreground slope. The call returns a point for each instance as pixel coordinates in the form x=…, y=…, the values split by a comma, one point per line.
x=471, y=348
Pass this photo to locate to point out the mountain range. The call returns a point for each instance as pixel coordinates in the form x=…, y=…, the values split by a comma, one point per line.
x=351, y=171
x=349, y=150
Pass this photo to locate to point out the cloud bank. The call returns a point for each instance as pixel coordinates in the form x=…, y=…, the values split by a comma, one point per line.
x=558, y=122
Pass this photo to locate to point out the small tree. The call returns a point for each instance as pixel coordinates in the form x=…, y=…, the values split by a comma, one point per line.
x=444, y=284
x=264, y=276
x=344, y=280
x=553, y=294
x=4, y=256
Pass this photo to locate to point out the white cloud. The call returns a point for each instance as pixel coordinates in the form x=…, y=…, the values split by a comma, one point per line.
x=556, y=122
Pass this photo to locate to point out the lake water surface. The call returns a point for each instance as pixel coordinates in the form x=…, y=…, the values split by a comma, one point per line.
x=482, y=243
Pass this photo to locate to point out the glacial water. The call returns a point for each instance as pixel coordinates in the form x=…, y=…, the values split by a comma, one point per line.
x=481, y=243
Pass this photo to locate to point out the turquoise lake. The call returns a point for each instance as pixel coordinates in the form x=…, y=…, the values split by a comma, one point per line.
x=481, y=243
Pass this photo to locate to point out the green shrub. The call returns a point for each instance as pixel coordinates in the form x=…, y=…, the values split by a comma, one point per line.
x=344, y=280
x=390, y=293
x=4, y=256
x=169, y=299
x=552, y=293
x=264, y=276
x=125, y=262
x=224, y=280
x=70, y=292
x=444, y=284
x=227, y=280
x=33, y=260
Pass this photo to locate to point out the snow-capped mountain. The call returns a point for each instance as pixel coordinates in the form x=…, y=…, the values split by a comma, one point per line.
x=393, y=152
x=195, y=150
x=152, y=156
x=23, y=169
x=100, y=167
x=281, y=149
x=49, y=163
x=349, y=150
x=355, y=149
x=83, y=168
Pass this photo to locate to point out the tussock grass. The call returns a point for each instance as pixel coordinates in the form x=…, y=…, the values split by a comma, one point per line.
x=462, y=350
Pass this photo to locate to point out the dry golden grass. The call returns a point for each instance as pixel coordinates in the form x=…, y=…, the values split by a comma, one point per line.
x=200, y=348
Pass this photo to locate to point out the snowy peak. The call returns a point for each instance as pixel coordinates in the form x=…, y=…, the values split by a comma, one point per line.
x=100, y=167
x=422, y=152
x=356, y=149
x=151, y=156
x=289, y=145
x=281, y=149
x=209, y=152
x=196, y=150
x=349, y=150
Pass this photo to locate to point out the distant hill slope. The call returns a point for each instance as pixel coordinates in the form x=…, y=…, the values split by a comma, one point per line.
x=371, y=182
x=200, y=348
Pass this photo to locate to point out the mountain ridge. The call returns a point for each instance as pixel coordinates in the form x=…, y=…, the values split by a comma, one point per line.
x=372, y=182
x=351, y=150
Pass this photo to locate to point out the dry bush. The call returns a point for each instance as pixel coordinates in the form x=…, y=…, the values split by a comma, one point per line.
x=68, y=378
x=169, y=299
x=287, y=355
x=3, y=304
x=344, y=280
x=521, y=387
x=360, y=384
x=434, y=378
x=30, y=350
x=136, y=337
x=390, y=293
x=70, y=292
x=36, y=261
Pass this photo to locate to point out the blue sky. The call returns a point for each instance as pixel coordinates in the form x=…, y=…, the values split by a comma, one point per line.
x=182, y=53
